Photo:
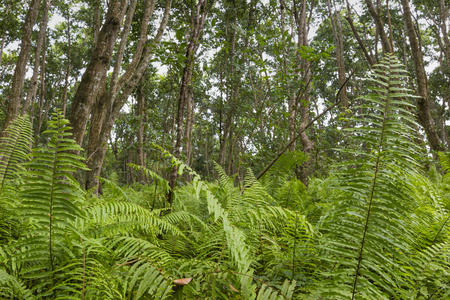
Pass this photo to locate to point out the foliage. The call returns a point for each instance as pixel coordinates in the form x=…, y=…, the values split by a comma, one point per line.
x=376, y=228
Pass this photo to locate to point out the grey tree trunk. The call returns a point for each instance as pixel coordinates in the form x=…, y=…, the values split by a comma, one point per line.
x=95, y=75
x=2, y=45
x=423, y=105
x=302, y=40
x=140, y=99
x=125, y=86
x=31, y=95
x=385, y=43
x=15, y=95
x=338, y=40
x=197, y=22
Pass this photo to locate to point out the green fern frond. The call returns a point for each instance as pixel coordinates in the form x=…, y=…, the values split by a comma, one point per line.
x=366, y=235
x=122, y=217
x=270, y=293
x=14, y=148
x=236, y=240
x=145, y=278
x=12, y=288
x=150, y=174
x=444, y=161
x=116, y=191
x=49, y=195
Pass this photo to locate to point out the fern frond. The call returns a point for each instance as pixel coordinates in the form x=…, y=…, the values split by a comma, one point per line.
x=271, y=293
x=12, y=288
x=150, y=174
x=144, y=278
x=367, y=239
x=14, y=148
x=49, y=195
x=122, y=217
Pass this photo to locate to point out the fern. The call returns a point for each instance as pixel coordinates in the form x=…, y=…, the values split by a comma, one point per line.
x=14, y=148
x=12, y=288
x=367, y=240
x=49, y=195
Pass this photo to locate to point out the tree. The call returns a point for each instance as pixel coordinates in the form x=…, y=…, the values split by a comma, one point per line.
x=15, y=95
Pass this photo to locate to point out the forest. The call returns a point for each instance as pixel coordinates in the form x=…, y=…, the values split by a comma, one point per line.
x=225, y=149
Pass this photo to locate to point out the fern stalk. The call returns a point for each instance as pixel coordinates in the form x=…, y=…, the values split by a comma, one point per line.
x=367, y=237
x=377, y=165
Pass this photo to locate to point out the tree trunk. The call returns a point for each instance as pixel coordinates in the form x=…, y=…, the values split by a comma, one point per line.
x=302, y=40
x=443, y=13
x=126, y=84
x=31, y=95
x=197, y=22
x=358, y=38
x=190, y=120
x=2, y=45
x=140, y=99
x=380, y=27
x=424, y=112
x=15, y=95
x=95, y=75
x=97, y=22
x=68, y=65
x=101, y=104
x=338, y=40
x=41, y=114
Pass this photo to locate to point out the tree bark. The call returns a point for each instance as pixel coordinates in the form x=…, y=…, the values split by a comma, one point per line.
x=15, y=95
x=190, y=120
x=443, y=13
x=126, y=84
x=95, y=75
x=338, y=40
x=101, y=104
x=302, y=40
x=424, y=111
x=140, y=99
x=31, y=95
x=197, y=22
x=386, y=45
x=68, y=65
x=2, y=45
x=358, y=38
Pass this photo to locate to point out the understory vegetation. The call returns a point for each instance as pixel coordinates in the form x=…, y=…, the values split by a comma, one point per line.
x=376, y=227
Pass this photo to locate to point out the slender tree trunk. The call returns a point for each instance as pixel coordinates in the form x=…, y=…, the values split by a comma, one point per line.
x=42, y=95
x=443, y=13
x=358, y=38
x=95, y=75
x=197, y=22
x=96, y=23
x=2, y=45
x=189, y=126
x=338, y=40
x=140, y=134
x=229, y=111
x=302, y=40
x=424, y=111
x=380, y=27
x=125, y=86
x=15, y=95
x=31, y=95
x=68, y=65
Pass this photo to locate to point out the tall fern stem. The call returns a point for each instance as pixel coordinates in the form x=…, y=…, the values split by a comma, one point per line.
x=372, y=192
